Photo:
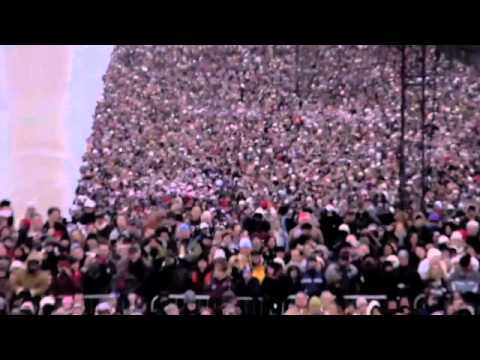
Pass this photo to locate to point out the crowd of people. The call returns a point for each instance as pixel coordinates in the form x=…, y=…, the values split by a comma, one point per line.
x=230, y=174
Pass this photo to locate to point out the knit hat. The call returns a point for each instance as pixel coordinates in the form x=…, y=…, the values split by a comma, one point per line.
x=344, y=228
x=393, y=259
x=456, y=236
x=89, y=204
x=372, y=305
x=16, y=264
x=443, y=239
x=433, y=252
x=245, y=243
x=189, y=297
x=35, y=256
x=47, y=300
x=204, y=226
x=103, y=307
x=219, y=254
x=304, y=217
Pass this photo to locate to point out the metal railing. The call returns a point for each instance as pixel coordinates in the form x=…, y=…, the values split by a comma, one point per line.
x=250, y=305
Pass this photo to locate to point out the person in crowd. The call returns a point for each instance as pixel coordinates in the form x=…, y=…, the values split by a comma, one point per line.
x=246, y=185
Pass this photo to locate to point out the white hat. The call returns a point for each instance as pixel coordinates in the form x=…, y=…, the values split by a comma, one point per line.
x=345, y=228
x=373, y=304
x=393, y=259
x=352, y=240
x=89, y=204
x=47, y=300
x=456, y=236
x=279, y=261
x=245, y=243
x=443, y=239
x=433, y=252
x=16, y=264
x=219, y=254
x=103, y=307
x=472, y=227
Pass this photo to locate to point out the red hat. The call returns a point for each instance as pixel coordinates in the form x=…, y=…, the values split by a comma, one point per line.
x=304, y=217
x=265, y=204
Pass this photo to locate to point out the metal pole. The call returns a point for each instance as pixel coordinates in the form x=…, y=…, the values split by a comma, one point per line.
x=401, y=157
x=422, y=110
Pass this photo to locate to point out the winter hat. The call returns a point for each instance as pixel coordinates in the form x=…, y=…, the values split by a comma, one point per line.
x=434, y=217
x=17, y=264
x=189, y=297
x=280, y=262
x=304, y=217
x=35, y=256
x=184, y=227
x=456, y=236
x=245, y=243
x=352, y=240
x=89, y=204
x=372, y=305
x=443, y=239
x=472, y=227
x=103, y=307
x=260, y=211
x=393, y=259
x=47, y=300
x=433, y=253
x=204, y=226
x=219, y=254
x=28, y=306
x=344, y=228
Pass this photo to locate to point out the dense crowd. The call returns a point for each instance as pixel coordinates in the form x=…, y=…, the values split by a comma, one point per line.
x=226, y=171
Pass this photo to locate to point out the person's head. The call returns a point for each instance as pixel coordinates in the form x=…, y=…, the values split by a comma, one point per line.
x=103, y=251
x=361, y=305
x=206, y=311
x=392, y=305
x=312, y=263
x=122, y=221
x=77, y=252
x=3, y=250
x=257, y=258
x=77, y=236
x=37, y=223
x=163, y=234
x=104, y=308
x=171, y=309
x=315, y=306
x=190, y=300
x=419, y=220
x=202, y=264
x=344, y=257
x=92, y=243
x=301, y=300
x=472, y=228
x=245, y=246
x=34, y=262
x=403, y=258
x=465, y=262
x=471, y=212
x=293, y=272
x=54, y=215
x=220, y=268
x=134, y=253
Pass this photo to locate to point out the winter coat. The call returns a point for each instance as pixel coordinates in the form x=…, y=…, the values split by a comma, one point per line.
x=37, y=283
x=313, y=282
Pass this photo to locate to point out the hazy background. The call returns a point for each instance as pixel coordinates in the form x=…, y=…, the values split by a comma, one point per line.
x=47, y=100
